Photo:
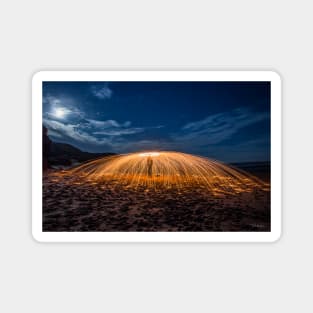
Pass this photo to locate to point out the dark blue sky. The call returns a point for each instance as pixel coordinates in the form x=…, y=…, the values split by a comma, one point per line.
x=228, y=121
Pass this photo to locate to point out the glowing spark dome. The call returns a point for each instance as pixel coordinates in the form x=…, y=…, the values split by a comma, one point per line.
x=167, y=169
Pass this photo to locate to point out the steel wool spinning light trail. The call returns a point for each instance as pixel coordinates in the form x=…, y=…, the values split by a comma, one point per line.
x=167, y=168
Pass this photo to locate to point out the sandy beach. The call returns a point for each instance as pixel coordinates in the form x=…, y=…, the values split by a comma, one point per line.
x=75, y=204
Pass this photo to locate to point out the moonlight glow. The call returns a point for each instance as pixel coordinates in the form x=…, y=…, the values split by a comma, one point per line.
x=60, y=112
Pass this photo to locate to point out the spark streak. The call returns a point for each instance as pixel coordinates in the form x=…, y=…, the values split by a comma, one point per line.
x=167, y=168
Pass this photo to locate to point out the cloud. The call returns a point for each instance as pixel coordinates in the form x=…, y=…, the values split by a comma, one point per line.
x=218, y=127
x=106, y=135
x=103, y=124
x=101, y=92
x=66, y=123
x=127, y=124
x=112, y=128
x=72, y=131
x=57, y=108
x=63, y=120
x=51, y=100
x=119, y=132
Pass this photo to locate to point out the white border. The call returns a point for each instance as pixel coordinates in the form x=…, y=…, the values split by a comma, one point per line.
x=271, y=76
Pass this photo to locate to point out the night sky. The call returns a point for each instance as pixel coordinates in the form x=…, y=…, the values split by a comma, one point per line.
x=227, y=121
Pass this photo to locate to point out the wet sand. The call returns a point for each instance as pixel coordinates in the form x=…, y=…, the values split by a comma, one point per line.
x=78, y=205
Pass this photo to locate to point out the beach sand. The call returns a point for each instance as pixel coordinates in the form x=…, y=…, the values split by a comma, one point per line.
x=75, y=204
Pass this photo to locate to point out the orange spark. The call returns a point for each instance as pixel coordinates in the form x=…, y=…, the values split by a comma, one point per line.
x=167, y=168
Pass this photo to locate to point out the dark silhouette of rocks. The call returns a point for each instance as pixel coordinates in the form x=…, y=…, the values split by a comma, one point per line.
x=46, y=144
x=56, y=154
